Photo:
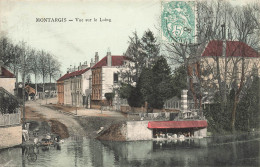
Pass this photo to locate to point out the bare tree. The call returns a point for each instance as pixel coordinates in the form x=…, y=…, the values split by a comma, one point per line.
x=35, y=67
x=43, y=67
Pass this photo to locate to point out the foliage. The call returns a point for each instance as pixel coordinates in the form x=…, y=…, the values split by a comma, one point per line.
x=109, y=97
x=162, y=87
x=135, y=98
x=8, y=104
x=179, y=80
x=248, y=112
x=153, y=86
x=24, y=60
x=125, y=90
x=150, y=48
x=248, y=108
x=142, y=53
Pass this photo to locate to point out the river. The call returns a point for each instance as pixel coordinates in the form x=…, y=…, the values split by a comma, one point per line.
x=242, y=150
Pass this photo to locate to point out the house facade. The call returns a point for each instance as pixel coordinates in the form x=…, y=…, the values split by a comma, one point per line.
x=221, y=63
x=105, y=78
x=72, y=87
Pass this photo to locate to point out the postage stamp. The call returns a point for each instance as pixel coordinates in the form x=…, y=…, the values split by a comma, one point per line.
x=178, y=21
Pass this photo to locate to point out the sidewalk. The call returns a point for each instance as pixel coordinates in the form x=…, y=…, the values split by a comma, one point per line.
x=95, y=112
x=80, y=111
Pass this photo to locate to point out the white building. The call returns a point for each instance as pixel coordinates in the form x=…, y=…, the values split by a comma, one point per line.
x=106, y=77
x=7, y=80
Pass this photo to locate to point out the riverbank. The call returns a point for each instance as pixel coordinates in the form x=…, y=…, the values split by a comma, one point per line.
x=66, y=122
x=40, y=126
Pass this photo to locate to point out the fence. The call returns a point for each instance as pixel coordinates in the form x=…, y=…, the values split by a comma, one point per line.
x=10, y=119
x=176, y=104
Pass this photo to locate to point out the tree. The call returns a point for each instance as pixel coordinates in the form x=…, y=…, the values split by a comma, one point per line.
x=142, y=54
x=135, y=55
x=220, y=21
x=35, y=66
x=162, y=87
x=150, y=49
x=248, y=107
x=179, y=80
x=53, y=66
x=43, y=68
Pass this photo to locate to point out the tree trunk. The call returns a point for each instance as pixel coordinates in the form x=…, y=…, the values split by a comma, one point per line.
x=233, y=120
x=36, y=92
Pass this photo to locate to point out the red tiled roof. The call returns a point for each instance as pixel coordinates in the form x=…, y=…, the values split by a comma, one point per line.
x=6, y=73
x=177, y=124
x=72, y=74
x=116, y=61
x=233, y=48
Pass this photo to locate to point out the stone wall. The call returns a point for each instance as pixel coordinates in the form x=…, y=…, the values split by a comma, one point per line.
x=10, y=136
x=138, y=130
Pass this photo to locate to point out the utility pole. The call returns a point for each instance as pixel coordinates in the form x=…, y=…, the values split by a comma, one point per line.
x=23, y=76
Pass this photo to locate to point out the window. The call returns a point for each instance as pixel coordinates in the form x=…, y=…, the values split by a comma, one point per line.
x=115, y=78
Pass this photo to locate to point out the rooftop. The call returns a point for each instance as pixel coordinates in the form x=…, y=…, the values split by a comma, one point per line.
x=6, y=74
x=116, y=61
x=72, y=74
x=233, y=49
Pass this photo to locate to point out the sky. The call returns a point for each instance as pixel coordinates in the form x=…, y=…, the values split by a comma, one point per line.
x=75, y=42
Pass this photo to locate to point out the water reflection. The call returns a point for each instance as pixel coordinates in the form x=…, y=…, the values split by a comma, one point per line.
x=78, y=151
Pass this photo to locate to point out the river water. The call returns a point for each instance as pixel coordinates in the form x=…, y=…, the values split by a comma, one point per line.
x=242, y=150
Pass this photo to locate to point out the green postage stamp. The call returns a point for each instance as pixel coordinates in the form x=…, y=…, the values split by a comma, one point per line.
x=178, y=21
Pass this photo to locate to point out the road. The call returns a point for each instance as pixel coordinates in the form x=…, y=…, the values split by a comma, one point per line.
x=74, y=128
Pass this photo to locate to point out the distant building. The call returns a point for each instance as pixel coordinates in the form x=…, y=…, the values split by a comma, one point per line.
x=105, y=77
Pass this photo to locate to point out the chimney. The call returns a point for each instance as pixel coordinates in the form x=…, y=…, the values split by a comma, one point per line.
x=80, y=67
x=68, y=70
x=85, y=65
x=74, y=68
x=96, y=57
x=109, y=59
x=92, y=63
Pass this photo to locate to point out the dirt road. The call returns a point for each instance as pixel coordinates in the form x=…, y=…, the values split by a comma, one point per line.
x=74, y=128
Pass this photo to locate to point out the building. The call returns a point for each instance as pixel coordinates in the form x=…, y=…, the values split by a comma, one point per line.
x=221, y=63
x=10, y=116
x=7, y=80
x=105, y=77
x=73, y=87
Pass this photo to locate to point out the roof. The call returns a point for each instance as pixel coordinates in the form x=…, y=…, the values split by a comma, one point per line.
x=6, y=74
x=72, y=74
x=29, y=89
x=116, y=61
x=177, y=124
x=233, y=48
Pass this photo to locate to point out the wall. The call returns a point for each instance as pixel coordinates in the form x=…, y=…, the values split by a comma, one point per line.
x=67, y=92
x=60, y=90
x=76, y=91
x=14, y=133
x=137, y=130
x=201, y=133
x=8, y=84
x=108, y=79
x=86, y=79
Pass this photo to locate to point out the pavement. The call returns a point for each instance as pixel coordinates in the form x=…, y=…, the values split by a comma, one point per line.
x=94, y=112
x=81, y=111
